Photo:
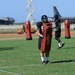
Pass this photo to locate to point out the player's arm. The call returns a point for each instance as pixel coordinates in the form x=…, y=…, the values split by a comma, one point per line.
x=39, y=34
x=59, y=23
x=39, y=24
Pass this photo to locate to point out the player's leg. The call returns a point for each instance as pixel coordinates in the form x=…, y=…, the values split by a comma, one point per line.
x=47, y=57
x=57, y=37
x=39, y=47
x=42, y=57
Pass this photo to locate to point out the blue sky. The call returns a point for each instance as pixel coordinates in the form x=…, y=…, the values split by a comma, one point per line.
x=17, y=8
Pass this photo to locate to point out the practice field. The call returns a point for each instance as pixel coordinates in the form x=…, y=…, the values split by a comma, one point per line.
x=19, y=56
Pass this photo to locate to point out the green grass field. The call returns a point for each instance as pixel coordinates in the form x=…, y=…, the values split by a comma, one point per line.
x=21, y=57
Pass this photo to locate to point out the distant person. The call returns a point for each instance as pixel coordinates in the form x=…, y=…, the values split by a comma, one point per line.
x=23, y=28
x=44, y=19
x=58, y=32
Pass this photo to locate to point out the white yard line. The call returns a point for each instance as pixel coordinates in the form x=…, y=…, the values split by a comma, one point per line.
x=5, y=67
x=9, y=72
x=19, y=66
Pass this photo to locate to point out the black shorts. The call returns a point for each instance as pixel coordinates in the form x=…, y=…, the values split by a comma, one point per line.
x=39, y=43
x=58, y=34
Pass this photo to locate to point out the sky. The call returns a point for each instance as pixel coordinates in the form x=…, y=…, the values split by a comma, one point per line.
x=17, y=8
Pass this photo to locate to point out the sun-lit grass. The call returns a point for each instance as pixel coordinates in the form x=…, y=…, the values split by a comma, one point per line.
x=21, y=57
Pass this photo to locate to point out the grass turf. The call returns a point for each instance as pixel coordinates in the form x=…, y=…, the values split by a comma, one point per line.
x=21, y=57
